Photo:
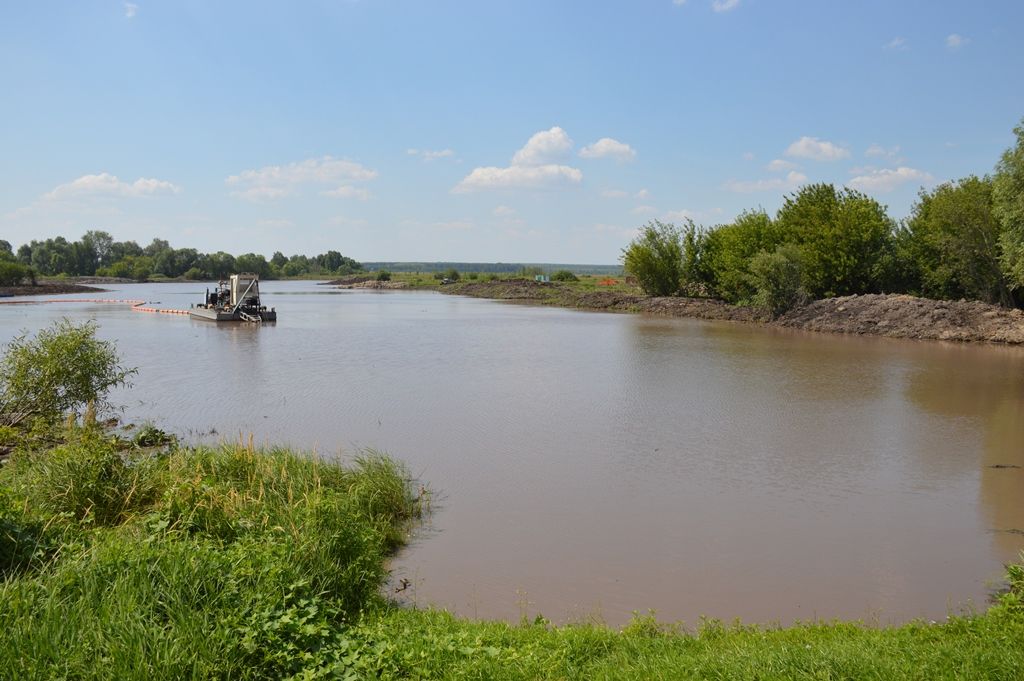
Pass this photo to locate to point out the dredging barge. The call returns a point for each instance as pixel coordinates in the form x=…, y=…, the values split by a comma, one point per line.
x=234, y=300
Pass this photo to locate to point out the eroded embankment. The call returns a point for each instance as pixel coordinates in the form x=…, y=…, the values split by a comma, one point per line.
x=47, y=288
x=893, y=315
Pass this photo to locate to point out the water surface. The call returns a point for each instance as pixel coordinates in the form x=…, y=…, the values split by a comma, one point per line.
x=589, y=465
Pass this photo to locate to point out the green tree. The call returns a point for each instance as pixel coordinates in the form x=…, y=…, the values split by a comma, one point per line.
x=60, y=370
x=6, y=253
x=845, y=239
x=776, y=279
x=564, y=275
x=1008, y=207
x=728, y=250
x=954, y=242
x=655, y=258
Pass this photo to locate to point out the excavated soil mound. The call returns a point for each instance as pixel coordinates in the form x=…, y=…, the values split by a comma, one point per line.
x=902, y=316
x=46, y=289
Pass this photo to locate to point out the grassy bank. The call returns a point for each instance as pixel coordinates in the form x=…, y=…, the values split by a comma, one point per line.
x=132, y=562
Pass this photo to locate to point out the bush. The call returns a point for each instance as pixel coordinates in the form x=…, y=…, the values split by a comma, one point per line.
x=776, y=279
x=564, y=275
x=14, y=273
x=452, y=274
x=655, y=258
x=383, y=275
x=61, y=370
x=193, y=274
x=728, y=249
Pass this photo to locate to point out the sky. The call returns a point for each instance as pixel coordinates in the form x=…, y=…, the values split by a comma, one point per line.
x=525, y=131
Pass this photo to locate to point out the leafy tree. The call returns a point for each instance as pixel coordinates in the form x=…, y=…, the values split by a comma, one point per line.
x=564, y=275
x=6, y=253
x=844, y=237
x=954, y=242
x=101, y=245
x=251, y=262
x=452, y=274
x=1008, y=206
x=655, y=258
x=278, y=260
x=60, y=370
x=776, y=279
x=14, y=273
x=728, y=249
x=383, y=275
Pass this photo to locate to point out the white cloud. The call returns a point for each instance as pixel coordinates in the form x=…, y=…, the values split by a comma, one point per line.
x=347, y=191
x=545, y=147
x=642, y=194
x=642, y=210
x=606, y=147
x=429, y=155
x=274, y=182
x=519, y=177
x=614, y=194
x=105, y=184
x=792, y=180
x=878, y=151
x=888, y=179
x=503, y=211
x=724, y=5
x=816, y=150
x=955, y=41
x=130, y=9
x=533, y=167
x=683, y=215
x=897, y=43
x=779, y=166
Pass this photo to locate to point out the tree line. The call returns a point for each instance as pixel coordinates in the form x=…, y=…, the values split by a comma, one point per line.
x=98, y=254
x=963, y=239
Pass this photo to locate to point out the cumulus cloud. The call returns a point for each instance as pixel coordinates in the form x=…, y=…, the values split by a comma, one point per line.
x=274, y=182
x=955, y=41
x=535, y=166
x=887, y=179
x=792, y=180
x=519, y=177
x=431, y=155
x=545, y=147
x=606, y=147
x=130, y=9
x=779, y=165
x=642, y=194
x=724, y=5
x=816, y=150
x=105, y=184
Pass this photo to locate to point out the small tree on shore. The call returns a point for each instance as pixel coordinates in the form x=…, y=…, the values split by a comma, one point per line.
x=655, y=258
x=60, y=370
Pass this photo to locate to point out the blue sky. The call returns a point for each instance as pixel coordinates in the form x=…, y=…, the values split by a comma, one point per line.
x=514, y=131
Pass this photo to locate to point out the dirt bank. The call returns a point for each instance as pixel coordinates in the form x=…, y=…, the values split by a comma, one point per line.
x=47, y=288
x=373, y=284
x=895, y=316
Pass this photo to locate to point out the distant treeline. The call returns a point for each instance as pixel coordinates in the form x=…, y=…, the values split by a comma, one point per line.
x=97, y=254
x=492, y=267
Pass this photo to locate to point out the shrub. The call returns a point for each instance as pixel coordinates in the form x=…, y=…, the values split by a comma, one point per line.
x=776, y=279
x=452, y=274
x=564, y=275
x=655, y=258
x=60, y=370
x=383, y=275
x=14, y=273
x=728, y=249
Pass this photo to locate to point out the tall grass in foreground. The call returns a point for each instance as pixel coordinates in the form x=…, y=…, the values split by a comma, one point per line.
x=212, y=562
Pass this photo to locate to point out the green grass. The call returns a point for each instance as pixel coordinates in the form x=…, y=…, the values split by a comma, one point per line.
x=132, y=562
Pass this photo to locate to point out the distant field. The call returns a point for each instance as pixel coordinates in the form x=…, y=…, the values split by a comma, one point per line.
x=489, y=267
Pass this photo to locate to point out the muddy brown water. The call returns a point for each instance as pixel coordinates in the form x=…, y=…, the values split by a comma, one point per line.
x=588, y=465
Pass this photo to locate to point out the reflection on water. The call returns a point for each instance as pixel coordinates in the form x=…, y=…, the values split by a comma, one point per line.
x=590, y=465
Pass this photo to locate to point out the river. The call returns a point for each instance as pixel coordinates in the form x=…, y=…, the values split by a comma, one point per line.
x=588, y=465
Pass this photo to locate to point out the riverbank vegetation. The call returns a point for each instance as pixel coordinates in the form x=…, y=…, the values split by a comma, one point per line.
x=142, y=558
x=964, y=239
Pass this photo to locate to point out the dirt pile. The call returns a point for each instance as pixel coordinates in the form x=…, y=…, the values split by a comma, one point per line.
x=903, y=316
x=896, y=316
x=373, y=284
x=47, y=288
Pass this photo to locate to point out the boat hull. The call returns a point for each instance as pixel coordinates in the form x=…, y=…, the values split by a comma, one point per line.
x=209, y=315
